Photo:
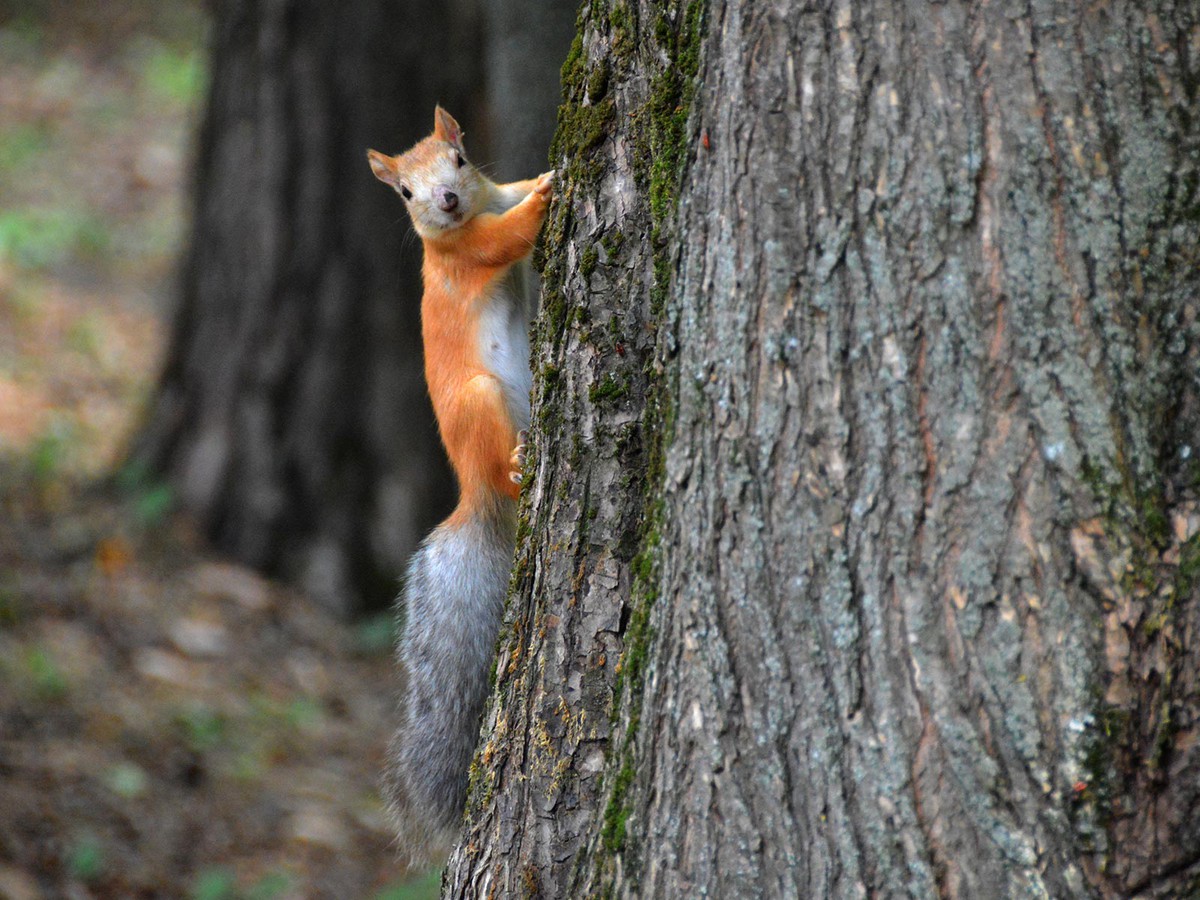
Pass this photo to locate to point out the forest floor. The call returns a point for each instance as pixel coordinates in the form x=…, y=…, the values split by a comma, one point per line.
x=171, y=725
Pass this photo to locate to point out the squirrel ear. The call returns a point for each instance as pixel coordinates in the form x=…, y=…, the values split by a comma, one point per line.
x=384, y=167
x=446, y=129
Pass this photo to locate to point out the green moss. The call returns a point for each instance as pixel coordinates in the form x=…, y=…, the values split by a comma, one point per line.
x=592, y=123
x=554, y=311
x=1102, y=746
x=608, y=389
x=587, y=262
x=616, y=813
x=620, y=25
x=582, y=129
x=638, y=632
x=663, y=32
x=481, y=784
x=663, y=120
x=1164, y=742
x=575, y=64
x=1187, y=578
x=612, y=242
x=614, y=328
x=597, y=82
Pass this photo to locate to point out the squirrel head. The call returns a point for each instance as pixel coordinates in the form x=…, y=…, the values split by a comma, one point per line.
x=441, y=189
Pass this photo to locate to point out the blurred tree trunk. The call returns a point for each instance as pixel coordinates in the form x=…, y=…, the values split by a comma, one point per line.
x=524, y=40
x=862, y=554
x=292, y=415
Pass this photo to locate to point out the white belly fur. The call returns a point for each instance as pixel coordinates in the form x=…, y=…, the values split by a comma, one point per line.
x=504, y=344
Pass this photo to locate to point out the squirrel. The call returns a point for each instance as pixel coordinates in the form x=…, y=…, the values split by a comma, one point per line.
x=474, y=323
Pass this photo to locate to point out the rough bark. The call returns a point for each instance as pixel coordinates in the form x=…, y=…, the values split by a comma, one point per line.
x=862, y=553
x=292, y=415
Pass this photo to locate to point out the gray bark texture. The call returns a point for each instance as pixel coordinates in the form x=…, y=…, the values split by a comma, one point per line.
x=292, y=415
x=861, y=551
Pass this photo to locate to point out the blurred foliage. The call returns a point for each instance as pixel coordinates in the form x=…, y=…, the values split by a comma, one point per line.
x=297, y=714
x=85, y=858
x=376, y=634
x=203, y=728
x=23, y=144
x=426, y=887
x=36, y=239
x=149, y=499
x=219, y=883
x=51, y=451
x=10, y=602
x=45, y=676
x=42, y=22
x=171, y=74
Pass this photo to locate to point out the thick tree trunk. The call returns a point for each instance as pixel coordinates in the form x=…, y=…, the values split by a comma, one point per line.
x=292, y=414
x=862, y=555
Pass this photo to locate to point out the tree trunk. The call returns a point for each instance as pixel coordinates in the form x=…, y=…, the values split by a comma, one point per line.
x=292, y=415
x=862, y=554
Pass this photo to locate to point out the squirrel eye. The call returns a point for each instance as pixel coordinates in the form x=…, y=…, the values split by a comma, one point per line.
x=406, y=192
x=461, y=162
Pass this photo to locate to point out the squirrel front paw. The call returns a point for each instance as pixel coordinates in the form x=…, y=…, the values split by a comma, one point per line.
x=516, y=461
x=545, y=182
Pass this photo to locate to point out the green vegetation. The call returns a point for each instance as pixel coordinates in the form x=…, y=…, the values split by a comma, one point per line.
x=201, y=726
x=269, y=886
x=220, y=883
x=85, y=858
x=23, y=144
x=52, y=451
x=171, y=74
x=149, y=499
x=214, y=884
x=37, y=239
x=45, y=676
x=426, y=887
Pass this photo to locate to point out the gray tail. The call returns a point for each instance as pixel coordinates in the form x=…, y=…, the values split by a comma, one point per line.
x=452, y=603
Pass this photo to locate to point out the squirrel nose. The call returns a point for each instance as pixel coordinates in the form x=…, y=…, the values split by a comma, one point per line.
x=447, y=200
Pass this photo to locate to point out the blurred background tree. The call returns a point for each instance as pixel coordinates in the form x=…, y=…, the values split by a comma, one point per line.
x=291, y=417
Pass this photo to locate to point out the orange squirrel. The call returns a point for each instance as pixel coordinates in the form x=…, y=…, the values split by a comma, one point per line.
x=474, y=322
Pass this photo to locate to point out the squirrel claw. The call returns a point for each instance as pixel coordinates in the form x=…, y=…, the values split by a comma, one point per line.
x=517, y=460
x=545, y=182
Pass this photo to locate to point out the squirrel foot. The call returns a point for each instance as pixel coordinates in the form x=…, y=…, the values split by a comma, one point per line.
x=516, y=461
x=545, y=182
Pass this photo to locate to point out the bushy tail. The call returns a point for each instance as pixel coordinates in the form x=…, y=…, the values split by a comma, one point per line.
x=452, y=601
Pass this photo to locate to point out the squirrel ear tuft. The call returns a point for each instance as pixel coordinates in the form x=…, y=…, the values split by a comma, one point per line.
x=445, y=128
x=384, y=167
